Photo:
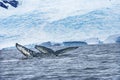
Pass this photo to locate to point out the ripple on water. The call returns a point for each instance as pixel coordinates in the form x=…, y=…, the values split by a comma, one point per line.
x=89, y=63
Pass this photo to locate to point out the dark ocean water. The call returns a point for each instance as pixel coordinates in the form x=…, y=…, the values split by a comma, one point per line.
x=94, y=62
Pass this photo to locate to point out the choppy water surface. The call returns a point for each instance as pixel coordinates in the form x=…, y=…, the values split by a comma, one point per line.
x=95, y=62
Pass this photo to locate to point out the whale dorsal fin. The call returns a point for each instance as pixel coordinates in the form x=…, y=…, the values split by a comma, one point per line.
x=25, y=51
x=43, y=49
x=64, y=50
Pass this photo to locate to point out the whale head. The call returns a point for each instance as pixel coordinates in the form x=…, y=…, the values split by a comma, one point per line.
x=24, y=50
x=43, y=49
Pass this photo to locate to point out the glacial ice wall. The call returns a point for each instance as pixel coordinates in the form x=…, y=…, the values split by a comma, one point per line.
x=35, y=21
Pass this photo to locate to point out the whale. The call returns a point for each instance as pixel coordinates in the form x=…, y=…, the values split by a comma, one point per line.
x=43, y=51
x=27, y=52
x=49, y=51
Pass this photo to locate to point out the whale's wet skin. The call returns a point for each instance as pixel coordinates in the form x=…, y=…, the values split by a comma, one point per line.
x=43, y=51
x=95, y=62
